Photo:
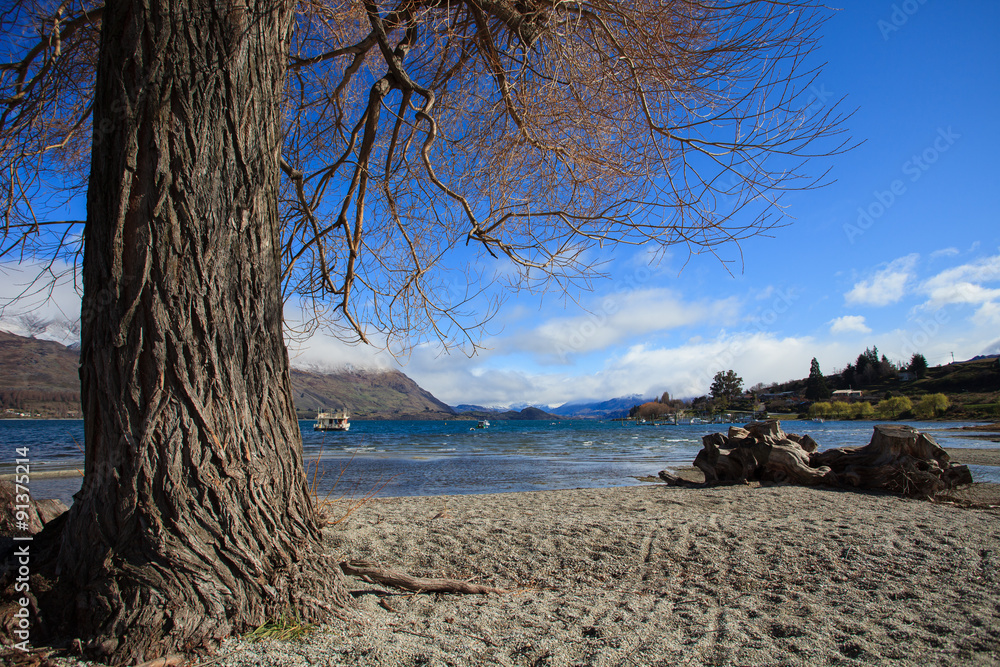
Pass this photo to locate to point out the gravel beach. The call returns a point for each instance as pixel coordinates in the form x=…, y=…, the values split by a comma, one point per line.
x=651, y=575
x=742, y=575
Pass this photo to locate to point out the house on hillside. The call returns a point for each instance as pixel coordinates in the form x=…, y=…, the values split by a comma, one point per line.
x=846, y=395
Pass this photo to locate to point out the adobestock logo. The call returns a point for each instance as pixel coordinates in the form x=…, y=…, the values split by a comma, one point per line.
x=927, y=330
x=900, y=15
x=578, y=338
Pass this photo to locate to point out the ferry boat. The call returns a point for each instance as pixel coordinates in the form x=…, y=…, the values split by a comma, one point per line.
x=330, y=421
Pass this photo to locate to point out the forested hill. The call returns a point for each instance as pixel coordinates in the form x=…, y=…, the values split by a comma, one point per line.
x=40, y=378
x=367, y=394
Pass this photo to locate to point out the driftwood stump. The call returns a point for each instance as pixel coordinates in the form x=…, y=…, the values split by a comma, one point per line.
x=898, y=459
x=760, y=451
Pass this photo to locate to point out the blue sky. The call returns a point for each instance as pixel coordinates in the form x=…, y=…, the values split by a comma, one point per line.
x=902, y=251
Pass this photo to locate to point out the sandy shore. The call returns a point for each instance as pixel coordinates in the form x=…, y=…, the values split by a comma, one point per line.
x=970, y=456
x=741, y=575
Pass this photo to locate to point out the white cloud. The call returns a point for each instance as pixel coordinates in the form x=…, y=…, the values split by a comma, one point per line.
x=964, y=284
x=322, y=353
x=887, y=286
x=687, y=370
x=765, y=293
x=988, y=315
x=849, y=324
x=42, y=289
x=944, y=252
x=960, y=292
x=983, y=270
x=40, y=300
x=684, y=370
x=615, y=318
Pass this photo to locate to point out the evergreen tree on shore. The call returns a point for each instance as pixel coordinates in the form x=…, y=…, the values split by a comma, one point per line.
x=918, y=365
x=816, y=388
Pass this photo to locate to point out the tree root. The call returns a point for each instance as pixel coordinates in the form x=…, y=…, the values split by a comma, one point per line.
x=173, y=660
x=676, y=480
x=371, y=573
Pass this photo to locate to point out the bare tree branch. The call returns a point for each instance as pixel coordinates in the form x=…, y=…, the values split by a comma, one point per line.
x=434, y=149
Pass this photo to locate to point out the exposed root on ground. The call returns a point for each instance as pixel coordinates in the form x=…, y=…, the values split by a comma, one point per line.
x=369, y=572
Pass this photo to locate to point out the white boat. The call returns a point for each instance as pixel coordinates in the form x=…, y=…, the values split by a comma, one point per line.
x=483, y=423
x=332, y=421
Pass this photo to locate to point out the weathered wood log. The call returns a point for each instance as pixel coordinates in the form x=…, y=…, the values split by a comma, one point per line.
x=676, y=480
x=20, y=517
x=713, y=463
x=805, y=442
x=788, y=462
x=898, y=459
x=406, y=582
x=738, y=433
x=767, y=431
x=49, y=508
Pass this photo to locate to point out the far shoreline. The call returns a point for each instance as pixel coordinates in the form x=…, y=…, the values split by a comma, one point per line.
x=977, y=424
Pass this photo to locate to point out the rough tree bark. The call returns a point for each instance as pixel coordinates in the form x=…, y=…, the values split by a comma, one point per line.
x=194, y=520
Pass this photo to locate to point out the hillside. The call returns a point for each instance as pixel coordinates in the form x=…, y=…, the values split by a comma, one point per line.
x=366, y=395
x=40, y=378
x=972, y=388
x=976, y=376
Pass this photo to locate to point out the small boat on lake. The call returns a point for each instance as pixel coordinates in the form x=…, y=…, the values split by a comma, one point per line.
x=332, y=421
x=483, y=423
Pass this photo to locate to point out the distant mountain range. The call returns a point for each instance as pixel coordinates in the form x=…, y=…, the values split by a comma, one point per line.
x=499, y=414
x=614, y=408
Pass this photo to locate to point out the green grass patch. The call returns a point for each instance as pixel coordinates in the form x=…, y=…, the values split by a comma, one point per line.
x=287, y=627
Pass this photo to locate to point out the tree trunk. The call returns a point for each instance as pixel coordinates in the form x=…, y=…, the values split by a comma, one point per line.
x=194, y=520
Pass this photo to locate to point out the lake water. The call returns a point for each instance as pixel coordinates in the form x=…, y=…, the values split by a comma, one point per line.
x=405, y=458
